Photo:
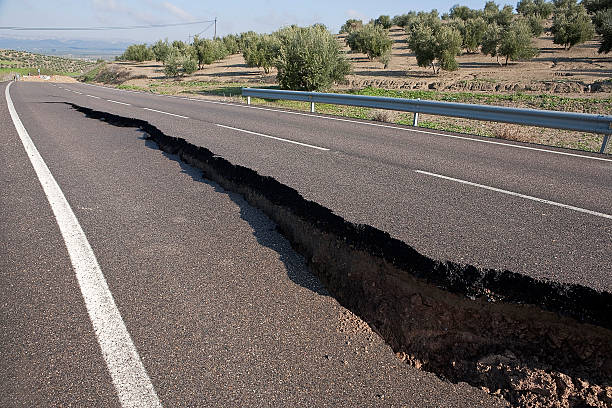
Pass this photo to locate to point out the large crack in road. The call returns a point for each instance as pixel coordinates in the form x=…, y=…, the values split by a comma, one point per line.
x=532, y=342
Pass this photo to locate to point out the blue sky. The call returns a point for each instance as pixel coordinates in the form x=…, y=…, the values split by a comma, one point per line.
x=233, y=16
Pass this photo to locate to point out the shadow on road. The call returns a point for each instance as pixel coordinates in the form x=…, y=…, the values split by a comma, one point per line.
x=264, y=229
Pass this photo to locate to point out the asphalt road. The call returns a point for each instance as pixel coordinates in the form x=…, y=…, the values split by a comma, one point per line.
x=371, y=174
x=220, y=309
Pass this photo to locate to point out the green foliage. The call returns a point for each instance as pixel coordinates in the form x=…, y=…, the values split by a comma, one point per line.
x=190, y=65
x=536, y=24
x=351, y=25
x=403, y=20
x=602, y=18
x=516, y=42
x=262, y=51
x=603, y=25
x=207, y=51
x=231, y=44
x=571, y=24
x=383, y=21
x=173, y=64
x=474, y=32
x=491, y=40
x=309, y=59
x=246, y=39
x=439, y=43
x=464, y=13
x=138, y=53
x=371, y=40
x=537, y=8
x=492, y=14
x=179, y=45
x=161, y=49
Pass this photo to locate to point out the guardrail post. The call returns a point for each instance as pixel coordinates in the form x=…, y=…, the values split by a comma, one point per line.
x=604, y=145
x=248, y=100
x=415, y=121
x=312, y=107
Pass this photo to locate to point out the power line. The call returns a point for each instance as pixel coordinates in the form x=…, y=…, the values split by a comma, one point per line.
x=103, y=28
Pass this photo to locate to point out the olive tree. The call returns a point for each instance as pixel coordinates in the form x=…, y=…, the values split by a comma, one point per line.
x=435, y=44
x=309, y=59
x=602, y=18
x=371, y=40
x=571, y=24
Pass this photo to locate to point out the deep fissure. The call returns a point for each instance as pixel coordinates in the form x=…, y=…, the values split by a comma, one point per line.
x=533, y=342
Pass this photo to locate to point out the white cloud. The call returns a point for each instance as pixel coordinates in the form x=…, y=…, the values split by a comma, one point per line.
x=177, y=11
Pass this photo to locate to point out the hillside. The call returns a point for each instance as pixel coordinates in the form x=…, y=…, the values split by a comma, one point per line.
x=24, y=63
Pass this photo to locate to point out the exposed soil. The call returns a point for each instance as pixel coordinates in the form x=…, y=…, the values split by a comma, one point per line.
x=534, y=343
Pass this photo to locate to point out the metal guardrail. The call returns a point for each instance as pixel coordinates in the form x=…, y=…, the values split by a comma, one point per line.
x=582, y=122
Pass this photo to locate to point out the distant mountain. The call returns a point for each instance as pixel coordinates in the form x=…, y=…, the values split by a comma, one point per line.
x=70, y=48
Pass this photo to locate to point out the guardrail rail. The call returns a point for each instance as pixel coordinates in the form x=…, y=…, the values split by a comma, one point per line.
x=582, y=122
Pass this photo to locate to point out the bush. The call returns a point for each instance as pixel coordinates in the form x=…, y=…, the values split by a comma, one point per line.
x=383, y=21
x=404, y=20
x=351, y=25
x=173, y=64
x=138, y=53
x=571, y=24
x=190, y=65
x=309, y=59
x=373, y=41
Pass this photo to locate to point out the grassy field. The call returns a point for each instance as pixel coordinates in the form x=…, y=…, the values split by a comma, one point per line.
x=24, y=63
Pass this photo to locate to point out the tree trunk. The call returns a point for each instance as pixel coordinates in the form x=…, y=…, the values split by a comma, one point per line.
x=506, y=60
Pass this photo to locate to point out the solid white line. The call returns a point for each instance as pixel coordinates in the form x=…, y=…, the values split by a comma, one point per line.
x=512, y=193
x=378, y=125
x=166, y=113
x=93, y=96
x=274, y=137
x=127, y=371
x=120, y=103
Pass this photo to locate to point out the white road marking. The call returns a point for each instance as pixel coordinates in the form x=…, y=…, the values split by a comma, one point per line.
x=120, y=103
x=127, y=371
x=512, y=193
x=166, y=113
x=93, y=96
x=76, y=92
x=493, y=142
x=273, y=137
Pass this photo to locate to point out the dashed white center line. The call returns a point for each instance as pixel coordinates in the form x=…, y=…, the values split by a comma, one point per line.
x=512, y=193
x=274, y=137
x=166, y=113
x=77, y=92
x=93, y=96
x=129, y=376
x=120, y=103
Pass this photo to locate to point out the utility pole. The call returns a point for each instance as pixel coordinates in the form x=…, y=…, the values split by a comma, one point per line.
x=215, y=36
